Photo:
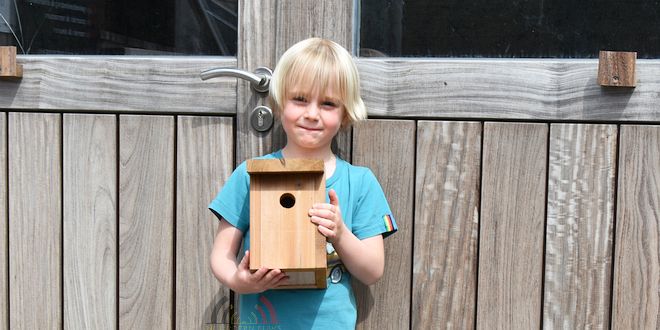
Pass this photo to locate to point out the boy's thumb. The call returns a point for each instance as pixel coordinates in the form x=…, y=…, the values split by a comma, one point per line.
x=245, y=262
x=334, y=200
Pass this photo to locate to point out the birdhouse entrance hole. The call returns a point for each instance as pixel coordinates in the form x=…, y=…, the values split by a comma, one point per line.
x=287, y=200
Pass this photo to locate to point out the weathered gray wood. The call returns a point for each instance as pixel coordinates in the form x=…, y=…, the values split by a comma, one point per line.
x=446, y=224
x=263, y=39
x=512, y=219
x=120, y=83
x=475, y=88
x=90, y=221
x=505, y=89
x=300, y=19
x=579, y=230
x=35, y=218
x=204, y=162
x=4, y=260
x=386, y=147
x=256, y=48
x=636, y=302
x=146, y=224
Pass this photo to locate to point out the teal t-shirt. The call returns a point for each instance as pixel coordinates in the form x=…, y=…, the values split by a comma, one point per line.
x=365, y=212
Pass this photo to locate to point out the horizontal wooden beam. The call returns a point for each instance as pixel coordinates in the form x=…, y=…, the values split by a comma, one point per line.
x=506, y=89
x=120, y=84
x=488, y=89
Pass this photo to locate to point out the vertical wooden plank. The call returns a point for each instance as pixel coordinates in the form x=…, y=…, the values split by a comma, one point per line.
x=4, y=260
x=256, y=48
x=35, y=221
x=146, y=224
x=205, y=158
x=636, y=302
x=90, y=221
x=387, y=148
x=446, y=224
x=579, y=226
x=511, y=233
x=261, y=41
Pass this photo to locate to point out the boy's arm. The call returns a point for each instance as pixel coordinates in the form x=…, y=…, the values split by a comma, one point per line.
x=237, y=276
x=364, y=259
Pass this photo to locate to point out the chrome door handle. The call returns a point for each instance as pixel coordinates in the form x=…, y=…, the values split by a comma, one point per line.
x=259, y=80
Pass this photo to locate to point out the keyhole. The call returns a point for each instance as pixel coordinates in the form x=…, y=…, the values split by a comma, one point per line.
x=260, y=118
x=287, y=200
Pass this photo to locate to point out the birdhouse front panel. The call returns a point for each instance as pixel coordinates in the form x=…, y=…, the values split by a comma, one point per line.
x=281, y=233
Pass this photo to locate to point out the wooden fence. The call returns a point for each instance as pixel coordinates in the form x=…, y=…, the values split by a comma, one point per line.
x=516, y=221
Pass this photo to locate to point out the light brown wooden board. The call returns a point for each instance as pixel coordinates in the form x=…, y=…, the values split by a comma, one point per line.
x=35, y=221
x=446, y=224
x=511, y=229
x=282, y=236
x=387, y=147
x=636, y=303
x=146, y=221
x=579, y=228
x=90, y=221
x=205, y=152
x=281, y=166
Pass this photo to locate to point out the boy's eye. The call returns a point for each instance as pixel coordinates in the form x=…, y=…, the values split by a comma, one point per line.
x=330, y=104
x=299, y=99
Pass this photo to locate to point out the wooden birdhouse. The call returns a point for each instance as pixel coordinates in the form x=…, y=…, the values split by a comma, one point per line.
x=281, y=233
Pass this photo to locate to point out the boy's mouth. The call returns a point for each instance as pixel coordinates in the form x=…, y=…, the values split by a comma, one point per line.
x=311, y=129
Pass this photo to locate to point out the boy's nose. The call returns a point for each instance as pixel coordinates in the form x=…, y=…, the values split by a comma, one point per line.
x=312, y=111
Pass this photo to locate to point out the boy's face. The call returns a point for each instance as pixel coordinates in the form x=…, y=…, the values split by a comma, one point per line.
x=311, y=118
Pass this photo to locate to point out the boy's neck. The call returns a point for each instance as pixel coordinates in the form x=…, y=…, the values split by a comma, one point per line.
x=292, y=152
x=329, y=159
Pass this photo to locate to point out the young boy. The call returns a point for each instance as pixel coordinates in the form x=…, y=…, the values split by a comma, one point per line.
x=315, y=91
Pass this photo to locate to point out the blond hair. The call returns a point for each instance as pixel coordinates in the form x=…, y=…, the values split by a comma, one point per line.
x=318, y=62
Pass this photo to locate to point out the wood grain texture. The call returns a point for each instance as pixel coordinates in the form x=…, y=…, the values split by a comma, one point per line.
x=90, y=221
x=205, y=152
x=387, y=148
x=275, y=166
x=636, y=303
x=579, y=229
x=256, y=48
x=505, y=89
x=146, y=224
x=446, y=224
x=262, y=40
x=121, y=83
x=8, y=67
x=301, y=19
x=35, y=221
x=281, y=236
x=512, y=220
x=4, y=226
x=617, y=69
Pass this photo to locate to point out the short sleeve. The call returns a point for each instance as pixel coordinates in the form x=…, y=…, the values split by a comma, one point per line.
x=372, y=215
x=233, y=201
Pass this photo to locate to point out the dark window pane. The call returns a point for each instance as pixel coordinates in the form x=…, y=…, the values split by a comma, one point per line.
x=138, y=27
x=511, y=29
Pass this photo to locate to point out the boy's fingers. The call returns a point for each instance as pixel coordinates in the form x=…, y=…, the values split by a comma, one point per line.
x=260, y=273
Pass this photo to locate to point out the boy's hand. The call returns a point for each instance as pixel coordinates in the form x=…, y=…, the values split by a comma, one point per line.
x=244, y=281
x=328, y=218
